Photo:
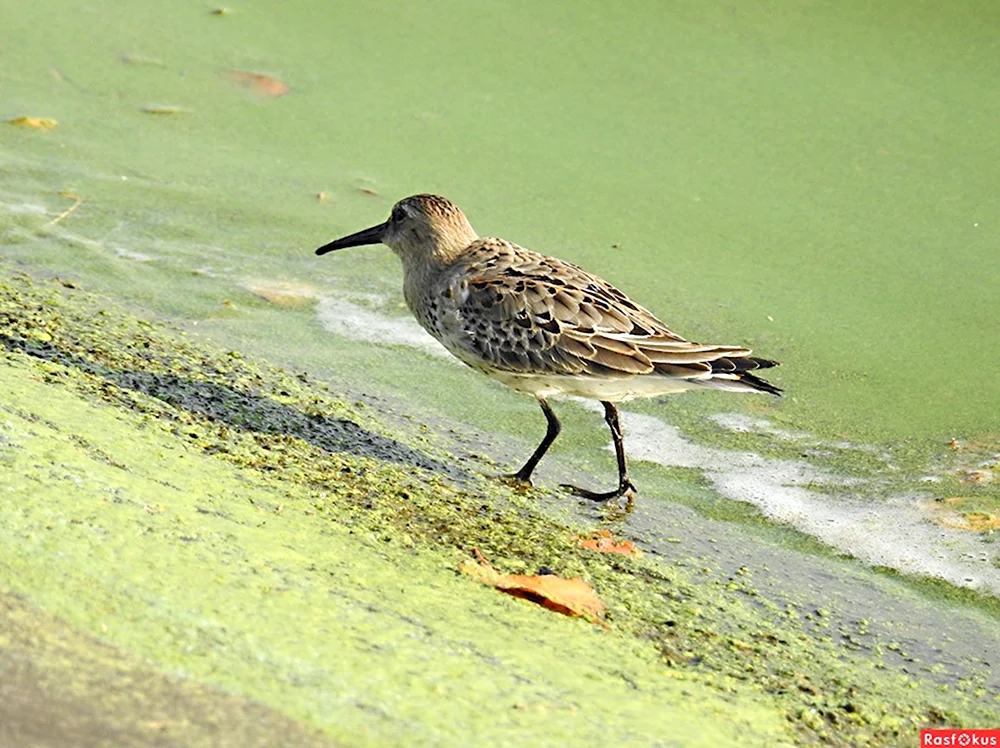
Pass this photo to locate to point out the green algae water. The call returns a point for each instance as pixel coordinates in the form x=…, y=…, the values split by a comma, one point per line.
x=818, y=182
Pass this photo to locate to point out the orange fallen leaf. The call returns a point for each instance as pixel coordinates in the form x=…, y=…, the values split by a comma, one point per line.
x=977, y=477
x=571, y=597
x=953, y=513
x=37, y=123
x=603, y=542
x=264, y=85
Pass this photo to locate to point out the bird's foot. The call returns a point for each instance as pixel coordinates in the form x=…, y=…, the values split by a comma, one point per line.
x=625, y=488
x=515, y=481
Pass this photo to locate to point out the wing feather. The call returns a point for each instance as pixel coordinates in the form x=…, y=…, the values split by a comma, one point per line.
x=522, y=312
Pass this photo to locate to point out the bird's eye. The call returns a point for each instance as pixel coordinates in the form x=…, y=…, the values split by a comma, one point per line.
x=398, y=214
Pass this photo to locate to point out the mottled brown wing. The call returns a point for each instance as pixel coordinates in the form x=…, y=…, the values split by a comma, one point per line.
x=527, y=313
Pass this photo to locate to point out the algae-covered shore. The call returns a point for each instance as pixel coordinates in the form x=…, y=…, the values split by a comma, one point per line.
x=200, y=548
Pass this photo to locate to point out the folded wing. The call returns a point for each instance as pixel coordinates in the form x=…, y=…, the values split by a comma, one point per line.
x=526, y=313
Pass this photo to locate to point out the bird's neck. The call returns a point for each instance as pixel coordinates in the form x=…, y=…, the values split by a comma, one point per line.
x=452, y=241
x=434, y=253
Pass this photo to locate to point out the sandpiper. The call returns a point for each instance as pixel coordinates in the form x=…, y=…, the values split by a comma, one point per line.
x=543, y=326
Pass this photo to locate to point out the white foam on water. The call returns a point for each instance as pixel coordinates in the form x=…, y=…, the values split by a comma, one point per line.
x=30, y=209
x=128, y=254
x=742, y=424
x=893, y=532
x=356, y=322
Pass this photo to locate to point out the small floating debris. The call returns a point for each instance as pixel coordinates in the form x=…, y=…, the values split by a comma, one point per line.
x=142, y=60
x=34, y=123
x=366, y=185
x=962, y=513
x=69, y=195
x=603, y=541
x=164, y=109
x=282, y=293
x=977, y=477
x=259, y=83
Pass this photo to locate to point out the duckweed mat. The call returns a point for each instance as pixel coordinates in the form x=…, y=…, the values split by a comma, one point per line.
x=213, y=546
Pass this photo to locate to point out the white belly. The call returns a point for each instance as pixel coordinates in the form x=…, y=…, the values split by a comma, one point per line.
x=613, y=390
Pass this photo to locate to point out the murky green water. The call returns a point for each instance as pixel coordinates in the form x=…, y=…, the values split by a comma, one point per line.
x=834, y=169
x=819, y=182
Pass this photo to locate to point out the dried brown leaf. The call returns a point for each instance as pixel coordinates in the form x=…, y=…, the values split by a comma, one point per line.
x=603, y=541
x=571, y=597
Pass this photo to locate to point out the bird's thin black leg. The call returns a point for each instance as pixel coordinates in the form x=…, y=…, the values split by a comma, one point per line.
x=551, y=432
x=624, y=484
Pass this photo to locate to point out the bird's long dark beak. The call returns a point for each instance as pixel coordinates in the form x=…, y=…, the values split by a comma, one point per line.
x=368, y=236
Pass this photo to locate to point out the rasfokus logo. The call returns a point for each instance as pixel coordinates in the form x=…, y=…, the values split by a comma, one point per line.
x=960, y=738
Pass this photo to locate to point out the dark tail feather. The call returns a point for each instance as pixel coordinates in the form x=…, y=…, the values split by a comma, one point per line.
x=759, y=384
x=763, y=363
x=737, y=364
x=743, y=367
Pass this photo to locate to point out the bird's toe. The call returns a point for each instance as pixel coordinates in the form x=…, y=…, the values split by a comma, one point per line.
x=515, y=481
x=627, y=488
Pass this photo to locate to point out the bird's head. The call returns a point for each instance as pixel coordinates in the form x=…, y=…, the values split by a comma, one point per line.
x=421, y=227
